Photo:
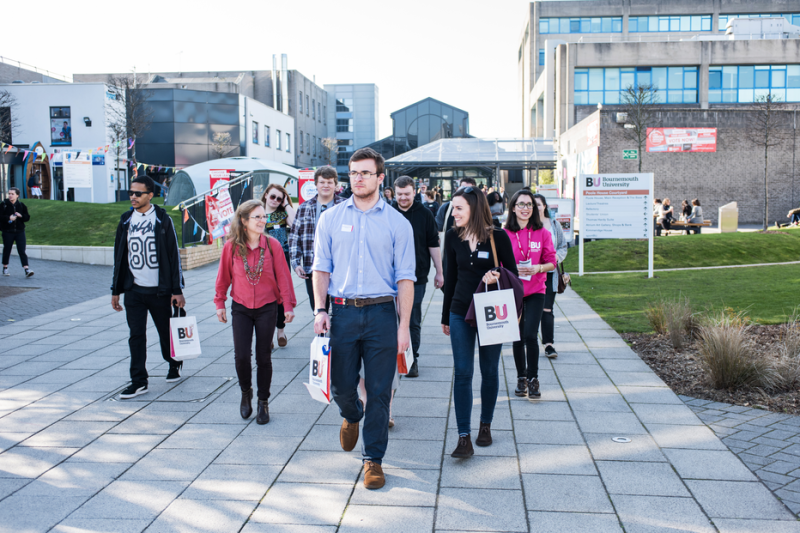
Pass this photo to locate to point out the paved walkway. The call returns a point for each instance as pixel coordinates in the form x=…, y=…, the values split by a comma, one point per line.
x=181, y=459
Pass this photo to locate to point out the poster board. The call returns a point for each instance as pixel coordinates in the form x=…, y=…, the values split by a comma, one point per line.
x=616, y=206
x=563, y=210
x=216, y=176
x=306, y=190
x=681, y=140
x=77, y=170
x=219, y=213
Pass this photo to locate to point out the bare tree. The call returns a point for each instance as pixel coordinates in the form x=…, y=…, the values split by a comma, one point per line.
x=135, y=115
x=640, y=114
x=331, y=150
x=221, y=144
x=767, y=129
x=118, y=135
x=8, y=120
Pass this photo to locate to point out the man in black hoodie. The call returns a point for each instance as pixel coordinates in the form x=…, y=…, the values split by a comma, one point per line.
x=426, y=247
x=147, y=268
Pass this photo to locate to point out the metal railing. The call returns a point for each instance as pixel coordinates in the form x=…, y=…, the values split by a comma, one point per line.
x=240, y=190
x=20, y=64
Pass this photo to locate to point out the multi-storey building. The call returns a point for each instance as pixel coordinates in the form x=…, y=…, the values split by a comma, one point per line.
x=353, y=118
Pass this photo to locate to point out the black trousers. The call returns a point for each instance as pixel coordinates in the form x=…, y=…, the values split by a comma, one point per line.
x=548, y=318
x=9, y=237
x=281, y=313
x=310, y=291
x=137, y=304
x=528, y=364
x=244, y=321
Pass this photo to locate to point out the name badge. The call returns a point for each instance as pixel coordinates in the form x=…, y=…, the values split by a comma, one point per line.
x=347, y=228
x=483, y=255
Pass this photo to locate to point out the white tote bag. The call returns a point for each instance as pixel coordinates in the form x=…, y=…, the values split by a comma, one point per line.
x=319, y=370
x=184, y=338
x=496, y=315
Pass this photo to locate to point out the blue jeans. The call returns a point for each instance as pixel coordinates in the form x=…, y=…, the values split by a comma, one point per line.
x=368, y=334
x=462, y=339
x=416, y=319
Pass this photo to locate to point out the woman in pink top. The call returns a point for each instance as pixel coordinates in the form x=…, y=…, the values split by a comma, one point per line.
x=254, y=265
x=535, y=255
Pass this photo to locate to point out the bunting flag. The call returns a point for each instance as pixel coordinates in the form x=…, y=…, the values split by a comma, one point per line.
x=131, y=142
x=185, y=216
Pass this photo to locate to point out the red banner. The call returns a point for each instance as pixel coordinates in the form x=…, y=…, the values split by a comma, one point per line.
x=681, y=140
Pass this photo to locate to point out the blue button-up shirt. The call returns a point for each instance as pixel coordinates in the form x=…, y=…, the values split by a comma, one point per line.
x=365, y=252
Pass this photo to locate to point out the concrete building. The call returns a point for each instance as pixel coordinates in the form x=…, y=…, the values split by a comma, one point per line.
x=353, y=118
x=56, y=119
x=709, y=61
x=12, y=71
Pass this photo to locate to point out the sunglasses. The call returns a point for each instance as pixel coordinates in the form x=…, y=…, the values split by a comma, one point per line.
x=273, y=197
x=468, y=190
x=137, y=194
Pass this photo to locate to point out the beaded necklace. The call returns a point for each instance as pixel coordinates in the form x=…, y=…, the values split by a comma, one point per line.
x=253, y=277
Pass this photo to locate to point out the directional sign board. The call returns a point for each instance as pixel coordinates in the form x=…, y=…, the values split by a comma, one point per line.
x=616, y=206
x=629, y=155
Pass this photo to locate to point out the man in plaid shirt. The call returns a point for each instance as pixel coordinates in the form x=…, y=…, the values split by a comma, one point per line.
x=301, y=239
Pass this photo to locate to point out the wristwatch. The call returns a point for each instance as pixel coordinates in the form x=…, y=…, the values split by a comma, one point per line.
x=318, y=311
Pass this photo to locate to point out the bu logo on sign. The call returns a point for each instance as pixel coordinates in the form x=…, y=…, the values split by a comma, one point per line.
x=186, y=333
x=593, y=182
x=493, y=312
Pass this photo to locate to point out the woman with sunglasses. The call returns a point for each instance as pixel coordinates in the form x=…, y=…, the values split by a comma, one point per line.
x=468, y=247
x=535, y=255
x=261, y=286
x=280, y=217
x=560, y=244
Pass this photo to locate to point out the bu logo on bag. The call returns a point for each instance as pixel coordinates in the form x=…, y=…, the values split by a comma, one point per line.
x=493, y=312
x=185, y=333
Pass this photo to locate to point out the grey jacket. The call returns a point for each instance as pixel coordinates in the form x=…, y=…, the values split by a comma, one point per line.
x=697, y=215
x=561, y=246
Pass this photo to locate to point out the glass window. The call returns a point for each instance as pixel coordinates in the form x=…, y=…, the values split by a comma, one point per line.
x=319, y=112
x=714, y=80
x=288, y=143
x=266, y=135
x=643, y=77
x=730, y=76
x=595, y=79
x=313, y=109
x=596, y=25
x=306, y=105
x=314, y=146
x=627, y=78
x=714, y=96
x=278, y=139
x=544, y=26
x=606, y=25
x=575, y=26
x=676, y=85
x=674, y=24
x=689, y=78
x=660, y=78
x=60, y=126
x=745, y=84
x=612, y=79
x=675, y=76
x=563, y=25
x=778, y=78
x=616, y=25
x=793, y=76
x=652, y=24
x=762, y=78
x=663, y=23
x=686, y=23
x=541, y=56
x=747, y=77
x=308, y=143
x=633, y=24
x=581, y=80
x=300, y=108
x=255, y=132
x=586, y=25
x=301, y=141
x=705, y=23
x=324, y=114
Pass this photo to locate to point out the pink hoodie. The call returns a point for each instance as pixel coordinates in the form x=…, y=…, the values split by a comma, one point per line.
x=536, y=245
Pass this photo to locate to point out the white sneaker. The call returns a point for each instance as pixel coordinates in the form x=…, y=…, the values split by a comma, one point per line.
x=5, y=272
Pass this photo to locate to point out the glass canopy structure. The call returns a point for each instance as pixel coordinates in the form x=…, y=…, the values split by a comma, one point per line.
x=483, y=159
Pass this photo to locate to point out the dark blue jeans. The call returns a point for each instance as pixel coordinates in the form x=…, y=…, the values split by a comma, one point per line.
x=416, y=318
x=462, y=339
x=368, y=334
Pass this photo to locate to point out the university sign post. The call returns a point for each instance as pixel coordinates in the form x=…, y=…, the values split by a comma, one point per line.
x=616, y=206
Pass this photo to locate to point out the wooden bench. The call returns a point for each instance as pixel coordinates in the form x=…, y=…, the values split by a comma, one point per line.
x=681, y=226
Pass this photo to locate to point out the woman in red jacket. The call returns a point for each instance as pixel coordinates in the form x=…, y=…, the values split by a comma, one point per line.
x=254, y=265
x=535, y=256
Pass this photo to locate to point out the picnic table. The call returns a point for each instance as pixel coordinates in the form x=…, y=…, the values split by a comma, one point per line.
x=681, y=226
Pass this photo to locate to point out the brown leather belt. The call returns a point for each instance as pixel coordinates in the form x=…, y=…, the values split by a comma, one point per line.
x=362, y=302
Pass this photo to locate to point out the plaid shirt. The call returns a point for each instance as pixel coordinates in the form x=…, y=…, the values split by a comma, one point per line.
x=301, y=239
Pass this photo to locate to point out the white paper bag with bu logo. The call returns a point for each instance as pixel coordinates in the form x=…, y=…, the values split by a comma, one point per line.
x=496, y=315
x=319, y=370
x=184, y=339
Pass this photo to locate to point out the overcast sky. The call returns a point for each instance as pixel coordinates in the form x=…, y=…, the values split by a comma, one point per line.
x=461, y=52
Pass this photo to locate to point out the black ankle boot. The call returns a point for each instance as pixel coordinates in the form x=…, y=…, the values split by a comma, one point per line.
x=246, y=407
x=522, y=387
x=484, y=435
x=263, y=412
x=464, y=448
x=533, y=389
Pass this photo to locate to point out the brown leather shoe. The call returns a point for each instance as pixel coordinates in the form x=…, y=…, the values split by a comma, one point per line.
x=464, y=448
x=373, y=475
x=348, y=435
x=484, y=435
x=282, y=342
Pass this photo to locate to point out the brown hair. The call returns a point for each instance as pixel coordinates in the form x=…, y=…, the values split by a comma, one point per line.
x=403, y=182
x=368, y=153
x=430, y=194
x=480, y=218
x=534, y=223
x=696, y=202
x=283, y=191
x=238, y=234
x=327, y=172
x=15, y=190
x=390, y=190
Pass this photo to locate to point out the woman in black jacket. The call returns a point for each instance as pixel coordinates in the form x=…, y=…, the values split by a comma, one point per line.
x=13, y=217
x=468, y=247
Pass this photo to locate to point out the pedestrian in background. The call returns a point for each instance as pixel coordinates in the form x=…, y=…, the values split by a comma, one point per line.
x=551, y=288
x=364, y=259
x=280, y=219
x=35, y=184
x=301, y=238
x=430, y=203
x=261, y=285
x=536, y=256
x=388, y=196
x=147, y=268
x=13, y=217
x=470, y=260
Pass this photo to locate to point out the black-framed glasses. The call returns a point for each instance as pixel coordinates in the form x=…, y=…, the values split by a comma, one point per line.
x=365, y=175
x=524, y=205
x=137, y=194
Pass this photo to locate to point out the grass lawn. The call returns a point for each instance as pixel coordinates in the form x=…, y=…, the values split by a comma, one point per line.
x=79, y=223
x=689, y=251
x=768, y=293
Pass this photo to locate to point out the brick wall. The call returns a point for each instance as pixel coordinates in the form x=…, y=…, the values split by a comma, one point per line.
x=734, y=173
x=197, y=256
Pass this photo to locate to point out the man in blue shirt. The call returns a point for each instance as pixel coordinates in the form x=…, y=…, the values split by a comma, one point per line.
x=364, y=259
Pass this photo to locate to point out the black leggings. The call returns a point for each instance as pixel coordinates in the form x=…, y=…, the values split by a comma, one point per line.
x=532, y=306
x=8, y=240
x=548, y=318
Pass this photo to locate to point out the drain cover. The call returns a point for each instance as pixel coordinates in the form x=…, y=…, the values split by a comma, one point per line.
x=621, y=440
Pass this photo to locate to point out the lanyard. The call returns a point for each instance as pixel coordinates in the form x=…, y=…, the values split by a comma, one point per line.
x=519, y=244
